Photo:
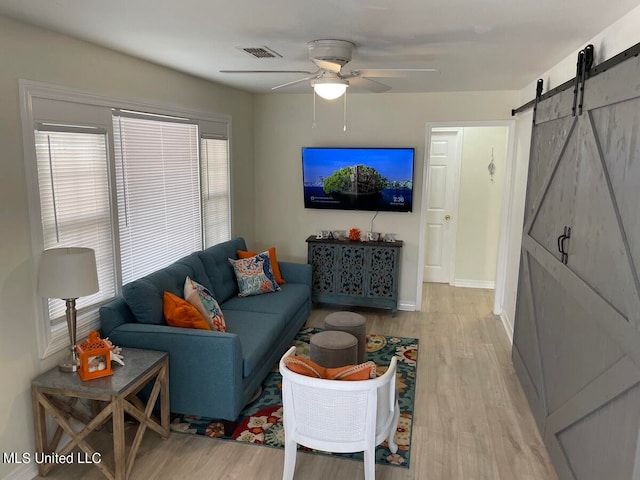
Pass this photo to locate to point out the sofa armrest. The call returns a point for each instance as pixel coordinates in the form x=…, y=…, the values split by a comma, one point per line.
x=296, y=272
x=114, y=314
x=205, y=367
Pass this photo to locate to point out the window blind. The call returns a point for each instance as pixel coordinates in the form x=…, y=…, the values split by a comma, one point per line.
x=216, y=209
x=158, y=192
x=73, y=183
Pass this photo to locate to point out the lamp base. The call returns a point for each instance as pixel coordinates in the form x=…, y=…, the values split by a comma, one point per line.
x=70, y=363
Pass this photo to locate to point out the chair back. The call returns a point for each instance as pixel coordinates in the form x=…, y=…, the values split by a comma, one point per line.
x=335, y=415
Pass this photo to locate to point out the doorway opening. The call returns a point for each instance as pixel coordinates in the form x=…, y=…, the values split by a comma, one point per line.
x=468, y=176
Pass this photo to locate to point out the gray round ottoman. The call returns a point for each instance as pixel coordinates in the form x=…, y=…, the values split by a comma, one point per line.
x=334, y=349
x=350, y=322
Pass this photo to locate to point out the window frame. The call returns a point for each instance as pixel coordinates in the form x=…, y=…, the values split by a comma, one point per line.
x=54, y=338
x=108, y=270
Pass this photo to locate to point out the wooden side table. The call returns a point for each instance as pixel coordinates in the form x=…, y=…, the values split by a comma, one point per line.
x=119, y=391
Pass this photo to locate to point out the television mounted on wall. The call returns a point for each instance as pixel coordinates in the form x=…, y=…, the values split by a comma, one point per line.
x=375, y=179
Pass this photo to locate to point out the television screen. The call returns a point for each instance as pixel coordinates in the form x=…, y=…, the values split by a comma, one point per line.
x=377, y=179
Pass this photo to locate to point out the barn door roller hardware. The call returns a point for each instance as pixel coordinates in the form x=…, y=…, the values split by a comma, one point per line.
x=539, y=85
x=590, y=72
x=585, y=62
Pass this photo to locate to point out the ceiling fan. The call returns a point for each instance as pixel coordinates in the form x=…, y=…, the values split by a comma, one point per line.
x=329, y=81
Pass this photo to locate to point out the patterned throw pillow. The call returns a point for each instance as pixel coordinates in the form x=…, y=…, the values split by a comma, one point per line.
x=254, y=275
x=273, y=261
x=201, y=298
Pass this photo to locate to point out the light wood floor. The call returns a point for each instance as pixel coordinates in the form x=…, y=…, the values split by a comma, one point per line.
x=471, y=418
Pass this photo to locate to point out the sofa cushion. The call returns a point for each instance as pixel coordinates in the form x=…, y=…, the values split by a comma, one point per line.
x=287, y=301
x=199, y=274
x=258, y=333
x=218, y=270
x=144, y=296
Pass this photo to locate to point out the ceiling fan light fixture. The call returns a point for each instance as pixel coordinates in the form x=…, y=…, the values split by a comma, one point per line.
x=330, y=88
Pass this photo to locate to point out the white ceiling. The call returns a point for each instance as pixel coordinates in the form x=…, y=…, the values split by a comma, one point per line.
x=475, y=44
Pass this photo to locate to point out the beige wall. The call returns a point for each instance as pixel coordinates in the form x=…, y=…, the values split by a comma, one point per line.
x=283, y=124
x=35, y=54
x=480, y=205
x=614, y=39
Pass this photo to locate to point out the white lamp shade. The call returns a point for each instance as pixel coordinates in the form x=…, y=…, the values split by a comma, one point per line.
x=68, y=273
x=330, y=88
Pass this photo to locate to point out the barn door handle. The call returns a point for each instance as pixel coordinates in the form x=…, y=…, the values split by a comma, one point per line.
x=564, y=254
x=566, y=236
x=560, y=240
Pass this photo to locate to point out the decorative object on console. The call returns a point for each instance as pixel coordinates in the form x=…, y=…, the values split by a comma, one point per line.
x=94, y=356
x=354, y=234
x=68, y=273
x=339, y=235
x=254, y=275
x=373, y=236
x=202, y=299
x=389, y=237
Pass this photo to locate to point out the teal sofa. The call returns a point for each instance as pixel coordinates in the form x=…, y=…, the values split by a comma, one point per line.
x=212, y=374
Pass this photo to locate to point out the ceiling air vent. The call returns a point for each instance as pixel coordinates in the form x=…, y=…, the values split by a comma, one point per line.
x=261, y=52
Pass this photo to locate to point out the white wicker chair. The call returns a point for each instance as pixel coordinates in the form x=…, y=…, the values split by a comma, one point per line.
x=338, y=416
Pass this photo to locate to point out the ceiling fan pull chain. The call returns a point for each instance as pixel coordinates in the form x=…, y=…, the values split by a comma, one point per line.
x=314, y=125
x=344, y=114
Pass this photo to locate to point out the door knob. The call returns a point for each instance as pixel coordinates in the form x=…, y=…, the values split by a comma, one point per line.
x=447, y=217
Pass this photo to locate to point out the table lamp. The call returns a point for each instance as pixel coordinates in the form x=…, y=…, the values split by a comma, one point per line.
x=68, y=273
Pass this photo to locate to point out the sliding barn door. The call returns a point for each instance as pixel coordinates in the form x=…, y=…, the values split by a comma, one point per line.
x=577, y=341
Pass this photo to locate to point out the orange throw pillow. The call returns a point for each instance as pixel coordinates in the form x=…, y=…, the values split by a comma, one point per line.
x=273, y=260
x=304, y=366
x=180, y=313
x=363, y=371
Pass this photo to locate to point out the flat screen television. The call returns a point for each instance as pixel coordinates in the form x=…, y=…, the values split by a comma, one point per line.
x=376, y=179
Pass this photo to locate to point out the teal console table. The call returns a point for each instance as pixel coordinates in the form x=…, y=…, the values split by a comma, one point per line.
x=355, y=273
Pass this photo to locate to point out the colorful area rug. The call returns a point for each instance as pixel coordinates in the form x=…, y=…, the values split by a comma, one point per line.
x=261, y=420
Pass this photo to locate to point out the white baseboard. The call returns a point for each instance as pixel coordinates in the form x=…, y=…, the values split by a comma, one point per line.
x=508, y=326
x=461, y=282
x=407, y=306
x=26, y=471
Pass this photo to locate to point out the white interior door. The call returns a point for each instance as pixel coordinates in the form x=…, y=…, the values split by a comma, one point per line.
x=443, y=173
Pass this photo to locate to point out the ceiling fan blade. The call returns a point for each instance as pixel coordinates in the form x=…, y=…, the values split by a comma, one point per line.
x=295, y=82
x=265, y=71
x=389, y=72
x=368, y=84
x=327, y=65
